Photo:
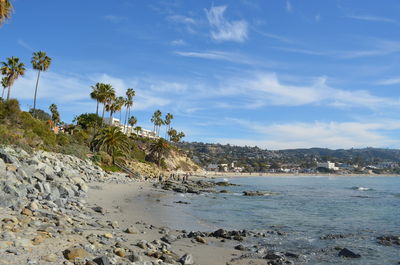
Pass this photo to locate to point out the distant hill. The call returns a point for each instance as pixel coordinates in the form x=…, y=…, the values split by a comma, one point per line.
x=259, y=159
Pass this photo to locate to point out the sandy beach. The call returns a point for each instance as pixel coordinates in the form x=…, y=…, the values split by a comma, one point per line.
x=141, y=205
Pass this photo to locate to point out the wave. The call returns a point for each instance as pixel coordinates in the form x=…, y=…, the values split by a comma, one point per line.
x=360, y=188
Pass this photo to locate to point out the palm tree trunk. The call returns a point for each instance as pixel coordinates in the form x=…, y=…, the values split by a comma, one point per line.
x=102, y=116
x=34, y=98
x=2, y=94
x=97, y=108
x=126, y=120
x=8, y=93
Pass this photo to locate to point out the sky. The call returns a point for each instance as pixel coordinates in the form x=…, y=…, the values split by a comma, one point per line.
x=277, y=74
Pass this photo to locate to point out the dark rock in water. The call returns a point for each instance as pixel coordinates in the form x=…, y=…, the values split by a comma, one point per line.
x=259, y=193
x=102, y=261
x=348, y=254
x=291, y=255
x=223, y=191
x=225, y=184
x=182, y=202
x=240, y=247
x=335, y=236
x=389, y=240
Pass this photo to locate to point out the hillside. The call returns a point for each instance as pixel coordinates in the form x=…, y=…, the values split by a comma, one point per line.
x=258, y=159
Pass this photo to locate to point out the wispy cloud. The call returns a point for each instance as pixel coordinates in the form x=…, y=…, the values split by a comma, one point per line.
x=373, y=18
x=188, y=22
x=224, y=30
x=178, y=42
x=289, y=6
x=218, y=55
x=25, y=45
x=115, y=19
x=379, y=47
x=390, y=81
x=318, y=134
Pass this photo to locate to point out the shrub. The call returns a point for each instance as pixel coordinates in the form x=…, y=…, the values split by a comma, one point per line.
x=63, y=139
x=105, y=158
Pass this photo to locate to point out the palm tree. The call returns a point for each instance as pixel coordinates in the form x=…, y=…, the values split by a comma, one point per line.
x=111, y=107
x=5, y=10
x=113, y=141
x=167, y=121
x=41, y=62
x=157, y=121
x=130, y=93
x=95, y=94
x=132, y=121
x=158, y=150
x=106, y=94
x=119, y=102
x=55, y=115
x=4, y=84
x=12, y=69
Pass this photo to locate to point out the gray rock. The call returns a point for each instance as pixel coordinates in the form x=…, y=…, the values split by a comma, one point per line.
x=2, y=167
x=102, y=261
x=348, y=254
x=186, y=259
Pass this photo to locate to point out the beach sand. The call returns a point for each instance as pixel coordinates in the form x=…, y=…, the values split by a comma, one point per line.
x=140, y=204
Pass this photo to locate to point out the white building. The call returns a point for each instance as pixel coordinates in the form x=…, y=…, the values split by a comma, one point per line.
x=212, y=167
x=129, y=129
x=328, y=165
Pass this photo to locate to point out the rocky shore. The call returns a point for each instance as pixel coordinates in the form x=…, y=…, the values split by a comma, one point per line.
x=58, y=209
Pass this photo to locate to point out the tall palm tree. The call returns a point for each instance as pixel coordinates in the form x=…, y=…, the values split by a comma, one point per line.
x=119, y=102
x=132, y=121
x=106, y=94
x=95, y=94
x=157, y=121
x=5, y=10
x=167, y=121
x=4, y=84
x=113, y=141
x=12, y=69
x=40, y=62
x=130, y=93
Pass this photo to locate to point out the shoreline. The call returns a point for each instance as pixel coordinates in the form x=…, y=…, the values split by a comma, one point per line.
x=248, y=175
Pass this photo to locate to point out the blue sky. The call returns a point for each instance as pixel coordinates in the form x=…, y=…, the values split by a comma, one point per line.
x=274, y=73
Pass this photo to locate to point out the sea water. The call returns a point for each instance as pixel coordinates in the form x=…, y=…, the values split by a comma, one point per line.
x=304, y=209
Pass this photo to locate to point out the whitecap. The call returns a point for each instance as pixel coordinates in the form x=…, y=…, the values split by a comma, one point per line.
x=360, y=188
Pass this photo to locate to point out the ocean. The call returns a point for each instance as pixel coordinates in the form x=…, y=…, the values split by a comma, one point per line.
x=301, y=211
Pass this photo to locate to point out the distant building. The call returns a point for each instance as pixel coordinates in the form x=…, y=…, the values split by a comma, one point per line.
x=129, y=129
x=327, y=165
x=212, y=167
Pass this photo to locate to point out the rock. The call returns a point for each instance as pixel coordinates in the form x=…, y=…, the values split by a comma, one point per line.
x=240, y=247
x=2, y=167
x=22, y=242
x=26, y=212
x=33, y=206
x=73, y=253
x=37, y=240
x=108, y=235
x=134, y=257
x=186, y=259
x=169, y=238
x=120, y=252
x=348, y=254
x=50, y=258
x=201, y=240
x=389, y=240
x=132, y=230
x=259, y=193
x=102, y=261
x=99, y=209
x=90, y=263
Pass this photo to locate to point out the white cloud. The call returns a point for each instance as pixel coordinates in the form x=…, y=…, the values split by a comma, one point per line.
x=218, y=55
x=289, y=7
x=181, y=19
x=224, y=30
x=318, y=134
x=25, y=45
x=178, y=42
x=373, y=18
x=390, y=81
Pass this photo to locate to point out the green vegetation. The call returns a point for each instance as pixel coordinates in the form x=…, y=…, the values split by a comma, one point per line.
x=113, y=141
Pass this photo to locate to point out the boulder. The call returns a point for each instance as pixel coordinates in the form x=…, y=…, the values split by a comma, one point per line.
x=186, y=259
x=73, y=253
x=102, y=260
x=347, y=253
